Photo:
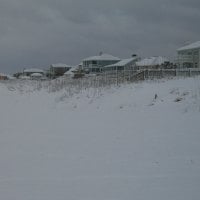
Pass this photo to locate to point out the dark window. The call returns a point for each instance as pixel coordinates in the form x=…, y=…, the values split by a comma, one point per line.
x=94, y=62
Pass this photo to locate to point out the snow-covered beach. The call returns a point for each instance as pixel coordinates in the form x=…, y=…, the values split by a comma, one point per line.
x=114, y=143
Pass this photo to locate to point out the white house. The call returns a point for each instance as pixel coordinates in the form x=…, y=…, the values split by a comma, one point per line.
x=96, y=63
x=189, y=56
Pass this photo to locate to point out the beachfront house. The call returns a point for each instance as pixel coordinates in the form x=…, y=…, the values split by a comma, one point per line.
x=58, y=69
x=97, y=63
x=189, y=56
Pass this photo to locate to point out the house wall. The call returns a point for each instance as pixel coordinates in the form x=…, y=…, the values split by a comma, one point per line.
x=29, y=73
x=96, y=65
x=58, y=71
x=189, y=58
x=129, y=66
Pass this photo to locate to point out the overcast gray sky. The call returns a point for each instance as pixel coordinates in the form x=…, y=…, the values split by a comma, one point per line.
x=36, y=33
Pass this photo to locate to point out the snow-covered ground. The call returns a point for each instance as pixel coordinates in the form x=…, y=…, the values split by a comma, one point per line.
x=117, y=143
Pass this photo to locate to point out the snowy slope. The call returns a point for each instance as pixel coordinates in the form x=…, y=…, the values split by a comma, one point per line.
x=114, y=143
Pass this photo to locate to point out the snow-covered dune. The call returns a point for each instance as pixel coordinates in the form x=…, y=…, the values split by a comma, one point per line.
x=137, y=141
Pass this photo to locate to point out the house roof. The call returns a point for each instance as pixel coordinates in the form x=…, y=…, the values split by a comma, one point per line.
x=195, y=45
x=123, y=62
x=156, y=60
x=34, y=70
x=106, y=57
x=58, y=65
x=3, y=75
x=71, y=71
x=7, y=75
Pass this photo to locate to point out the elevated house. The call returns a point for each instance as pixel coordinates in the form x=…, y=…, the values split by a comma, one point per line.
x=58, y=69
x=124, y=64
x=155, y=62
x=97, y=63
x=189, y=56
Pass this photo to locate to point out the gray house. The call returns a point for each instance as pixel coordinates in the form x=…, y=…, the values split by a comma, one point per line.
x=189, y=56
x=58, y=69
x=97, y=63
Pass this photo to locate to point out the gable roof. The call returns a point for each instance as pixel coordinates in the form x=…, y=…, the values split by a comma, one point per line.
x=105, y=57
x=60, y=65
x=195, y=45
x=34, y=70
x=71, y=71
x=123, y=62
x=3, y=75
x=152, y=61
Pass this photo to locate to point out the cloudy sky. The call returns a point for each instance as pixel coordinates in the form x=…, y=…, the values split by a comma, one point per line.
x=37, y=33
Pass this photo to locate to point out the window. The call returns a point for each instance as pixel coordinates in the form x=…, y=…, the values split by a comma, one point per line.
x=94, y=62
